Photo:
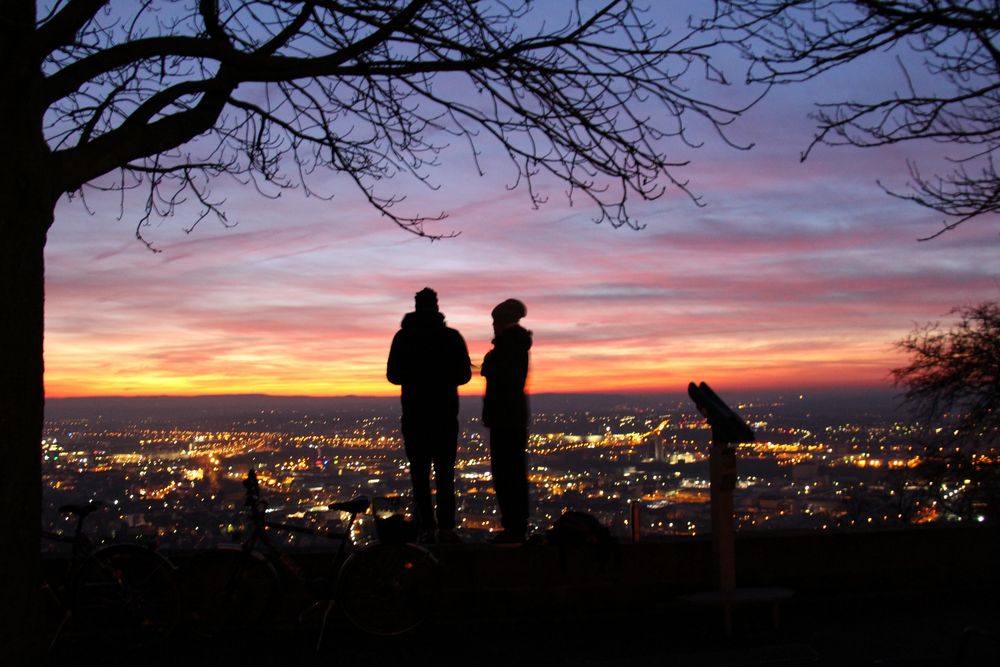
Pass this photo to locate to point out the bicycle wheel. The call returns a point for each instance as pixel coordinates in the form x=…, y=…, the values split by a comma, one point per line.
x=229, y=589
x=387, y=589
x=126, y=591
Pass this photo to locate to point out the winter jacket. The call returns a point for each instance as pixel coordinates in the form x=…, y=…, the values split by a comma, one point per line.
x=506, y=370
x=430, y=361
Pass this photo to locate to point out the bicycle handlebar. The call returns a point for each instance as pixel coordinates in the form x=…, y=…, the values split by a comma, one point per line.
x=81, y=510
x=354, y=507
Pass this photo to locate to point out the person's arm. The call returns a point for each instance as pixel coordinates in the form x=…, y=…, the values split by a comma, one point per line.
x=520, y=368
x=513, y=372
x=394, y=368
x=463, y=365
x=508, y=367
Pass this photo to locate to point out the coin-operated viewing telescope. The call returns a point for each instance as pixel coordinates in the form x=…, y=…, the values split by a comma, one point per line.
x=727, y=426
x=728, y=429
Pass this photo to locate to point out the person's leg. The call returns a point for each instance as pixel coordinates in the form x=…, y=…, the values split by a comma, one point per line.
x=508, y=464
x=418, y=452
x=519, y=505
x=498, y=469
x=445, y=451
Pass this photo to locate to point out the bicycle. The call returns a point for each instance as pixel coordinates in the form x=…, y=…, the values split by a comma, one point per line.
x=122, y=592
x=382, y=588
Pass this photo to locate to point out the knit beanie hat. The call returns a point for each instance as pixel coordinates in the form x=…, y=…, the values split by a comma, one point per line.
x=426, y=299
x=509, y=312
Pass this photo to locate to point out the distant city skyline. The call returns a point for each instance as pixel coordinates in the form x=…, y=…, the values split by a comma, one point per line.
x=173, y=467
x=793, y=276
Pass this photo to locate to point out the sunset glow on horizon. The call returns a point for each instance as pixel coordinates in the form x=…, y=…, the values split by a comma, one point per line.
x=793, y=276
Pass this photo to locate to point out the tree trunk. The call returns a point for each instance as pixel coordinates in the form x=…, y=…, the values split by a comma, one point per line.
x=27, y=202
x=22, y=239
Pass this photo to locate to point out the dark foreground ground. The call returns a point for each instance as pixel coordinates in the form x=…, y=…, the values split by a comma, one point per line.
x=918, y=597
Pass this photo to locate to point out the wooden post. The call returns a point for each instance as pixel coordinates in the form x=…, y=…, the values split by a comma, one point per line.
x=722, y=477
x=727, y=428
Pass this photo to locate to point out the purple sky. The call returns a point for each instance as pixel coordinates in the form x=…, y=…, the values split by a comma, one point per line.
x=792, y=275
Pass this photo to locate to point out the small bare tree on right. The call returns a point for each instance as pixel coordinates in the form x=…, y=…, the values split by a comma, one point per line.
x=954, y=374
x=952, y=382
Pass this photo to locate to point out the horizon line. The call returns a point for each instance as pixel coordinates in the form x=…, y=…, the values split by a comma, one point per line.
x=624, y=392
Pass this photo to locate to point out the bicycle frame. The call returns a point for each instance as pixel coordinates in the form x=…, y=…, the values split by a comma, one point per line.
x=383, y=588
x=122, y=583
x=262, y=573
x=258, y=539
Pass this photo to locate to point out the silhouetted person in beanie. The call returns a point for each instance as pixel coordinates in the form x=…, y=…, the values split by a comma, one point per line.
x=430, y=361
x=505, y=412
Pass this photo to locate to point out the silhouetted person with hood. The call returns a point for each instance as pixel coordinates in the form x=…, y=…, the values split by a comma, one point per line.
x=430, y=361
x=505, y=412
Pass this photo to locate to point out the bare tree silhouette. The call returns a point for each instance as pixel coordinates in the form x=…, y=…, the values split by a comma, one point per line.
x=952, y=382
x=163, y=97
x=789, y=41
x=953, y=377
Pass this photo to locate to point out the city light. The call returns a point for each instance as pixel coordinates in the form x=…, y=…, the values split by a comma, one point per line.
x=178, y=481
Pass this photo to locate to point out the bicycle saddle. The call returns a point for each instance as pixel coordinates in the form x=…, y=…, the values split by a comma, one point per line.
x=81, y=510
x=356, y=506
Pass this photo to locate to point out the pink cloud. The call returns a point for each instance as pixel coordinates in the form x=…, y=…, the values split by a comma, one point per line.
x=792, y=274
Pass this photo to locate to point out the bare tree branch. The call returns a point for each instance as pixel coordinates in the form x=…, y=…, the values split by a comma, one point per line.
x=60, y=29
x=790, y=41
x=368, y=88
